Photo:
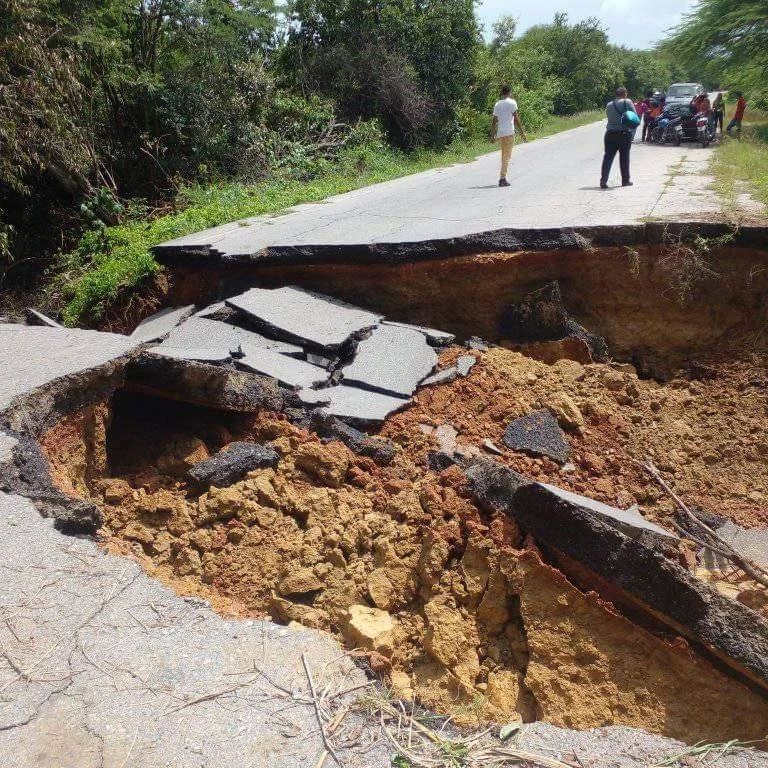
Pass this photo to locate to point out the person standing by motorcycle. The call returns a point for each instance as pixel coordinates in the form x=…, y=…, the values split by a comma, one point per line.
x=622, y=123
x=642, y=107
x=718, y=113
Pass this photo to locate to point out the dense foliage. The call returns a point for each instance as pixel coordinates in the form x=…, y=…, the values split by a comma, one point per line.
x=108, y=108
x=726, y=41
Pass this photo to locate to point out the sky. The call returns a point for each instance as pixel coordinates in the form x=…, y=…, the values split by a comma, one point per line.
x=634, y=23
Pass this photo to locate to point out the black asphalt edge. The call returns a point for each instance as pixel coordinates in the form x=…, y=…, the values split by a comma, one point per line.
x=496, y=241
x=729, y=633
x=33, y=413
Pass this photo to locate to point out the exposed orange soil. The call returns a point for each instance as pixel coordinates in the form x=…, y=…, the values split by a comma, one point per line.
x=452, y=605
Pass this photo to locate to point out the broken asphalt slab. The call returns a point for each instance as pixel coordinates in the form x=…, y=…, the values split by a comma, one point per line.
x=296, y=374
x=435, y=337
x=302, y=316
x=32, y=357
x=233, y=464
x=629, y=521
x=159, y=325
x=392, y=360
x=360, y=406
x=379, y=449
x=190, y=353
x=203, y=333
x=538, y=434
x=637, y=575
x=211, y=386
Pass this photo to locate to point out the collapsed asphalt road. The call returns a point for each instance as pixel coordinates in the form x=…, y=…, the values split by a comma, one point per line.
x=276, y=477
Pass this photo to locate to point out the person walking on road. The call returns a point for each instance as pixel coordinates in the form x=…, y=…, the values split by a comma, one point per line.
x=738, y=115
x=619, y=134
x=505, y=120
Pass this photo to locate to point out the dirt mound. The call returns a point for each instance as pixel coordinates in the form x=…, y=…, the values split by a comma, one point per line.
x=450, y=602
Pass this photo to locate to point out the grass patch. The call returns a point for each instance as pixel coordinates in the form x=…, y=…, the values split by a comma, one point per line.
x=110, y=262
x=744, y=163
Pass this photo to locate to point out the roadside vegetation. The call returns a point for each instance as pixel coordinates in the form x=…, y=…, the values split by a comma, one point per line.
x=742, y=166
x=126, y=122
x=726, y=43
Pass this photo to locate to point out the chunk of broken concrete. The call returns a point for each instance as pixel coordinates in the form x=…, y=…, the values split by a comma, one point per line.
x=434, y=337
x=358, y=405
x=204, y=333
x=38, y=318
x=379, y=449
x=538, y=434
x=233, y=463
x=159, y=325
x=464, y=364
x=542, y=316
x=392, y=360
x=446, y=376
x=476, y=343
x=287, y=370
x=296, y=314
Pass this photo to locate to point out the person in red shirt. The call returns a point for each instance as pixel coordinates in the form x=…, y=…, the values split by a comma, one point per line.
x=738, y=115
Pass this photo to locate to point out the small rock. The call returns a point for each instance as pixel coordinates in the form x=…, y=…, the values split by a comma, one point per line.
x=491, y=447
x=567, y=412
x=326, y=463
x=299, y=582
x=370, y=628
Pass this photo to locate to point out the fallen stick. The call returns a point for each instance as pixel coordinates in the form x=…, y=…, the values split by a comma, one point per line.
x=318, y=714
x=722, y=547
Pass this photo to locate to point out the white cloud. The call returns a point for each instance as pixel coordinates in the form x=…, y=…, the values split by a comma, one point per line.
x=636, y=23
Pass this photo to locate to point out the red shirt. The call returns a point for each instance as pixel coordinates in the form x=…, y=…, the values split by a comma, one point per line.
x=741, y=105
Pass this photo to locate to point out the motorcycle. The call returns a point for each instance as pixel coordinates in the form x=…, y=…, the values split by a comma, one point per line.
x=695, y=127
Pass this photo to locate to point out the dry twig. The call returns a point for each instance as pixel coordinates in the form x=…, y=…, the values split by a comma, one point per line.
x=712, y=540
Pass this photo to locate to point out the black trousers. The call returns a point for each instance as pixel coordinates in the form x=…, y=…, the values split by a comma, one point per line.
x=621, y=142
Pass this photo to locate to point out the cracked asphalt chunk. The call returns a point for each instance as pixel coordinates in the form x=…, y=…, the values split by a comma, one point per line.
x=299, y=315
x=159, y=325
x=629, y=521
x=233, y=463
x=203, y=333
x=287, y=370
x=189, y=353
x=393, y=360
x=539, y=434
x=435, y=337
x=358, y=405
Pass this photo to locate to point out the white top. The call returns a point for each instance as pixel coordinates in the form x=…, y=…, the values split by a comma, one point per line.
x=504, y=111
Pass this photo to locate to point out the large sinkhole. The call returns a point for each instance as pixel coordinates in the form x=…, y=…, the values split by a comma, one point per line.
x=453, y=600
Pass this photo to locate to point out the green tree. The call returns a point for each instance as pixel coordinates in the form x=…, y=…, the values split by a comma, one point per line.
x=407, y=62
x=726, y=42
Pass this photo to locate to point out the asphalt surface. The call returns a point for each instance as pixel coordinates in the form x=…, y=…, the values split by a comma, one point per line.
x=554, y=182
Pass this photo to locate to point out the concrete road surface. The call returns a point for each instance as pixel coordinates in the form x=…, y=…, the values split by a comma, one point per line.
x=554, y=183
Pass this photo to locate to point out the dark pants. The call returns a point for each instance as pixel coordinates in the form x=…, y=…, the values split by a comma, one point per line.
x=621, y=142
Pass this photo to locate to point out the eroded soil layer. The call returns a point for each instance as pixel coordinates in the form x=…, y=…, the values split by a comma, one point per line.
x=658, y=306
x=452, y=604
